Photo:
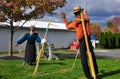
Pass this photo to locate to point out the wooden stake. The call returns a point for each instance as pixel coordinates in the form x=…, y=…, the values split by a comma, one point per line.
x=41, y=51
x=88, y=49
x=38, y=60
x=75, y=59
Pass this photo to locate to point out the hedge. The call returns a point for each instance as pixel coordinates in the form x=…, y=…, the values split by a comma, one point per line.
x=109, y=40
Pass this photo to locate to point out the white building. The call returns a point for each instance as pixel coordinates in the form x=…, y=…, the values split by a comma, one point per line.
x=57, y=35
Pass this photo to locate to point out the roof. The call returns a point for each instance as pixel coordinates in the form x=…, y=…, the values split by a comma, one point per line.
x=39, y=24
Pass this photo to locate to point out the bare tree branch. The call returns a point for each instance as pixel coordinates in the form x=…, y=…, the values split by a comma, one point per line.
x=20, y=26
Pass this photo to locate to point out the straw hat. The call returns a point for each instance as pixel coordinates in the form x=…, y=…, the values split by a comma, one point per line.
x=76, y=9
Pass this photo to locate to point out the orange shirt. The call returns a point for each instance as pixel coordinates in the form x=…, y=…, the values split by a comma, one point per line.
x=77, y=26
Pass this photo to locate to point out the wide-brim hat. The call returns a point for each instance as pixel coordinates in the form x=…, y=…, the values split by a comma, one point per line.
x=76, y=9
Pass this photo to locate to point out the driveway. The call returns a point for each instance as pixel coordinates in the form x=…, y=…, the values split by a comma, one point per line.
x=112, y=53
x=115, y=53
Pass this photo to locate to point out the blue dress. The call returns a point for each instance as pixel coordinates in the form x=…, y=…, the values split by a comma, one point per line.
x=30, y=50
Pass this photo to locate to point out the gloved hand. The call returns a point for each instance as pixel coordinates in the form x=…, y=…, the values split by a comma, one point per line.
x=43, y=41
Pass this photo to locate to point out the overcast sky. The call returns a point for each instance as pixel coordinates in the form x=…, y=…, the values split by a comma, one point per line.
x=99, y=11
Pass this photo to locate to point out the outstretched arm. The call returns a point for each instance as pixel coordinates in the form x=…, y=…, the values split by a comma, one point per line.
x=87, y=22
x=38, y=39
x=68, y=25
x=86, y=15
x=21, y=40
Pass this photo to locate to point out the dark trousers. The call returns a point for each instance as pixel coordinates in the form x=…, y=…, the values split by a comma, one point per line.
x=84, y=57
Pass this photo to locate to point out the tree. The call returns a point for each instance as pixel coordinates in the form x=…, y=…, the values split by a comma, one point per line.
x=116, y=23
x=108, y=29
x=17, y=10
x=95, y=29
x=109, y=24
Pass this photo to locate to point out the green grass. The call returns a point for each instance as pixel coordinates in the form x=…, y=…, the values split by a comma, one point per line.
x=57, y=69
x=64, y=51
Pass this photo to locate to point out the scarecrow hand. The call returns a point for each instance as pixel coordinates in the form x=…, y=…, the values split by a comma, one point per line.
x=43, y=41
x=16, y=45
x=63, y=16
x=86, y=15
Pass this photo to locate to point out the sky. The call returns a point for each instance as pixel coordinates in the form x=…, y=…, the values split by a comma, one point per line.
x=99, y=11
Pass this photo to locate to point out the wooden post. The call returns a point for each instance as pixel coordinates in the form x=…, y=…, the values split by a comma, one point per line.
x=75, y=59
x=38, y=60
x=41, y=51
x=88, y=49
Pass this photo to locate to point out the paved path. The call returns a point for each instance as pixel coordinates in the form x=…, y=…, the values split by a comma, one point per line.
x=115, y=53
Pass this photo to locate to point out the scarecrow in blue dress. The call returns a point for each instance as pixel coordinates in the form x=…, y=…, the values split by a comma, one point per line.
x=30, y=50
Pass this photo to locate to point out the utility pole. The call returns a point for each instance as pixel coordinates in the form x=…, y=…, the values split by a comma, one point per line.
x=85, y=4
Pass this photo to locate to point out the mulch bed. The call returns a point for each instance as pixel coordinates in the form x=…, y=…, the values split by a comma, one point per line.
x=61, y=56
x=11, y=58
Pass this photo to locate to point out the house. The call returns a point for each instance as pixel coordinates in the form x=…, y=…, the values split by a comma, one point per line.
x=57, y=34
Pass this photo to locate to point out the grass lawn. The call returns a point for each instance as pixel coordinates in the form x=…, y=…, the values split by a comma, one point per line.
x=57, y=69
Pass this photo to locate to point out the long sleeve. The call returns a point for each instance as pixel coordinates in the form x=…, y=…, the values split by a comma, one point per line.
x=21, y=40
x=70, y=25
x=87, y=23
x=38, y=39
x=86, y=15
